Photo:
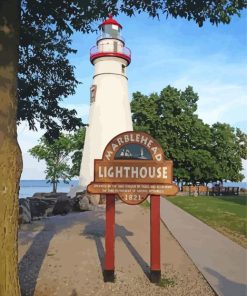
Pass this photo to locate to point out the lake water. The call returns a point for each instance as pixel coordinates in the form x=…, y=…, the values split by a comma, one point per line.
x=29, y=187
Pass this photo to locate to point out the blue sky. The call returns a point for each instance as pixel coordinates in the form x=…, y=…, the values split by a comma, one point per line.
x=211, y=59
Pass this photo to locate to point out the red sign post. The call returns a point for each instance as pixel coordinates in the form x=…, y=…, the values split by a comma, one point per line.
x=133, y=166
x=109, y=238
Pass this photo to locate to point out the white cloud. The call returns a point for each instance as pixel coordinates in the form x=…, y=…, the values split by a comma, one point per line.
x=219, y=81
x=244, y=172
x=82, y=110
x=32, y=169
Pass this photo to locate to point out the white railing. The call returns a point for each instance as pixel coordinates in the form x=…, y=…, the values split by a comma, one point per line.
x=108, y=36
x=106, y=49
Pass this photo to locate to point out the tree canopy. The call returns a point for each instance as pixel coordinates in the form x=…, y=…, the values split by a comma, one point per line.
x=200, y=153
x=58, y=155
x=46, y=27
x=46, y=76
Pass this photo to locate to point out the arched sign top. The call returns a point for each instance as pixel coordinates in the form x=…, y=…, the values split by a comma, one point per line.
x=133, y=145
x=133, y=166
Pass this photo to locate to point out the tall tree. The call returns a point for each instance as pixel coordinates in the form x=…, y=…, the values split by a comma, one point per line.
x=57, y=155
x=10, y=154
x=200, y=153
x=229, y=147
x=63, y=17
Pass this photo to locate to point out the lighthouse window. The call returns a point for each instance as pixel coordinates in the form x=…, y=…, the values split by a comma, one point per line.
x=93, y=93
x=112, y=30
x=123, y=69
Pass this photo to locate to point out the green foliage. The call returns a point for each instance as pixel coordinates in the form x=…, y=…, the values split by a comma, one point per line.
x=145, y=204
x=226, y=214
x=166, y=282
x=57, y=155
x=46, y=76
x=78, y=143
x=228, y=146
x=200, y=153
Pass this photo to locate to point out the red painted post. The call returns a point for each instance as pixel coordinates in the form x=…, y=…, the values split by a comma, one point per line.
x=109, y=238
x=155, y=271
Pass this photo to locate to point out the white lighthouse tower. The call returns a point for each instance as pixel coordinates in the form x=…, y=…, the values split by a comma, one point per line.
x=109, y=112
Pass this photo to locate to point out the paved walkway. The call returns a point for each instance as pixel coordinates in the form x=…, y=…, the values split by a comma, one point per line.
x=64, y=256
x=222, y=262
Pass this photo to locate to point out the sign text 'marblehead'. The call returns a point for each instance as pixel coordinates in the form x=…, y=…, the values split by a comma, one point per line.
x=138, y=138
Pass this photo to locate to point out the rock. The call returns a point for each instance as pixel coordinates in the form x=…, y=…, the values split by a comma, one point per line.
x=102, y=200
x=75, y=190
x=49, y=195
x=94, y=198
x=38, y=207
x=24, y=211
x=63, y=206
x=81, y=203
x=50, y=199
x=84, y=204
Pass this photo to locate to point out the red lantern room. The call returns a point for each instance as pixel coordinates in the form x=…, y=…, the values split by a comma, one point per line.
x=110, y=43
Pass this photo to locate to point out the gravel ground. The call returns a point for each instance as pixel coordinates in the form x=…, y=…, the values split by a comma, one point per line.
x=63, y=255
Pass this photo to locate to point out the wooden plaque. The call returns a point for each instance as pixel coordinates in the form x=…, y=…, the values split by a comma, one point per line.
x=133, y=166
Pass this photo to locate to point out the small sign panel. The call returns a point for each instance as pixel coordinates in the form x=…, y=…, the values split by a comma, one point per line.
x=93, y=89
x=133, y=166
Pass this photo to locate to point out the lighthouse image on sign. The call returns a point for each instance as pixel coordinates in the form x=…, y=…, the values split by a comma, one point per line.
x=109, y=113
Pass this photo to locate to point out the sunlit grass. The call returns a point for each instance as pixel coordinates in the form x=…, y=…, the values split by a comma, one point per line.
x=227, y=215
x=145, y=204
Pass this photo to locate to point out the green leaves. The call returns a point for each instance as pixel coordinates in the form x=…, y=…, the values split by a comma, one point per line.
x=58, y=154
x=200, y=153
x=46, y=76
x=228, y=146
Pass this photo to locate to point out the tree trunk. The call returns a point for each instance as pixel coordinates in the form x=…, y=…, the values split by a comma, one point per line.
x=54, y=187
x=10, y=154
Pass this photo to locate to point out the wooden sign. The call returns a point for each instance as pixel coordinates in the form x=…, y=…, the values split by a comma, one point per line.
x=133, y=166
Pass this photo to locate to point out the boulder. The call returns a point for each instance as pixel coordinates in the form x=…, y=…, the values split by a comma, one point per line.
x=102, y=200
x=63, y=206
x=75, y=190
x=49, y=195
x=81, y=203
x=84, y=204
x=50, y=199
x=24, y=211
x=94, y=198
x=38, y=207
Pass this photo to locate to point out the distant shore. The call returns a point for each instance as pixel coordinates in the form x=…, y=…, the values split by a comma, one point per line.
x=29, y=187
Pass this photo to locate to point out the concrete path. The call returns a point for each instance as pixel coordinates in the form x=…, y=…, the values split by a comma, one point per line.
x=222, y=262
x=64, y=256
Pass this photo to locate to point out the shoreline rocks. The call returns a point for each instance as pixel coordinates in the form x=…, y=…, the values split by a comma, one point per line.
x=43, y=204
x=24, y=211
x=62, y=206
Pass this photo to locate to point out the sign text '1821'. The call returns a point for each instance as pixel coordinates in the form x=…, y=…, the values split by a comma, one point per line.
x=132, y=197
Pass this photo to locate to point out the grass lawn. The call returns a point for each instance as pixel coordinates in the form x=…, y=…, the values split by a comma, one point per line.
x=226, y=214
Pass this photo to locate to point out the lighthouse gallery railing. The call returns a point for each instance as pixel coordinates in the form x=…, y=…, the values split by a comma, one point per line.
x=103, y=50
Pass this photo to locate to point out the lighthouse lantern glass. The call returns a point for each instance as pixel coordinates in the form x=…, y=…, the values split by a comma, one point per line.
x=111, y=30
